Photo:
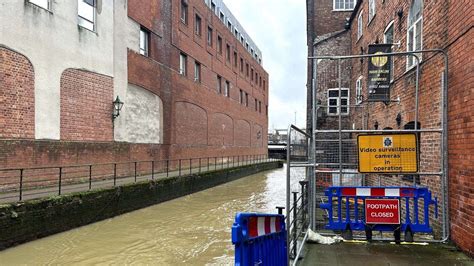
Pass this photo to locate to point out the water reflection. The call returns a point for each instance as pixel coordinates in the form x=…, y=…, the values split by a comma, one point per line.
x=190, y=230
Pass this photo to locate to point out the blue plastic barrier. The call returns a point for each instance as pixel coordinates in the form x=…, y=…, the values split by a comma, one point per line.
x=259, y=239
x=346, y=201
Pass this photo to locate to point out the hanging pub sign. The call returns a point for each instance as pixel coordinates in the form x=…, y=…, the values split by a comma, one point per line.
x=379, y=73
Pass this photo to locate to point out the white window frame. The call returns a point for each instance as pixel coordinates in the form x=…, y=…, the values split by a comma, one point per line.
x=413, y=27
x=360, y=25
x=210, y=36
x=372, y=10
x=45, y=4
x=222, y=16
x=183, y=59
x=184, y=12
x=346, y=4
x=390, y=26
x=198, y=25
x=197, y=71
x=219, y=84
x=338, y=99
x=84, y=20
x=358, y=90
x=144, y=45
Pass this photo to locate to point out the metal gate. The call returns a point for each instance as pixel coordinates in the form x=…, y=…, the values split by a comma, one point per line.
x=345, y=108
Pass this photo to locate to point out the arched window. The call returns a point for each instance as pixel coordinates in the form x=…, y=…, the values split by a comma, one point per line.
x=415, y=30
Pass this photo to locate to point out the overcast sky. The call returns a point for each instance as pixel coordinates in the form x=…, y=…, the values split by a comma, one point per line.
x=278, y=27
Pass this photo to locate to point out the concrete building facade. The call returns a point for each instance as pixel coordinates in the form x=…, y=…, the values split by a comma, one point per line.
x=192, y=85
x=409, y=26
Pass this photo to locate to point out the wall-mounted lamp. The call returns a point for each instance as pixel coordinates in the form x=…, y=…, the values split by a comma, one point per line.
x=400, y=13
x=376, y=125
x=399, y=119
x=117, y=107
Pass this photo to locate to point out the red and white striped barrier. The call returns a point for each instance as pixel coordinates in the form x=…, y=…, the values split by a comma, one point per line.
x=263, y=225
x=377, y=192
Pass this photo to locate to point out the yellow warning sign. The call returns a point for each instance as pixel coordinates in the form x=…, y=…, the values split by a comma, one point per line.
x=395, y=153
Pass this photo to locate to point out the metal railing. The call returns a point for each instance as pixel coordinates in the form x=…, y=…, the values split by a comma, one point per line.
x=17, y=184
x=298, y=219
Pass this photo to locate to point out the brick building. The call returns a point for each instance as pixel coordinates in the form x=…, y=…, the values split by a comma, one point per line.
x=345, y=27
x=189, y=75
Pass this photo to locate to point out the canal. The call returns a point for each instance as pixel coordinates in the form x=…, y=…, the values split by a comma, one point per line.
x=190, y=230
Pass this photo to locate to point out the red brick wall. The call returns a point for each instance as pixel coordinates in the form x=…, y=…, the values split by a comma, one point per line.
x=185, y=130
x=446, y=25
x=86, y=106
x=461, y=123
x=17, y=96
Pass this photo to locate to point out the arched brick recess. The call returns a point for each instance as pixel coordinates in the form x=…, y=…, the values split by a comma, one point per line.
x=86, y=106
x=242, y=133
x=17, y=97
x=191, y=124
x=144, y=116
x=221, y=130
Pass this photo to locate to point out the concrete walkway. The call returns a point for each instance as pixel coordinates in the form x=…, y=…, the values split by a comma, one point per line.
x=378, y=253
x=7, y=197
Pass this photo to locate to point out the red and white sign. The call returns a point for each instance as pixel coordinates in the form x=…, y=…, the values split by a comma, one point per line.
x=382, y=211
x=263, y=225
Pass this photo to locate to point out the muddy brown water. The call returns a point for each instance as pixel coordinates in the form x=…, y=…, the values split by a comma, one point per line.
x=192, y=230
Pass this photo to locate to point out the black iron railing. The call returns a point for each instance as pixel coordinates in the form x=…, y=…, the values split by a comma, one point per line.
x=19, y=184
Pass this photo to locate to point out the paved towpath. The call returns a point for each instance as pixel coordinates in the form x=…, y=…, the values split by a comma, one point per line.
x=378, y=253
x=7, y=197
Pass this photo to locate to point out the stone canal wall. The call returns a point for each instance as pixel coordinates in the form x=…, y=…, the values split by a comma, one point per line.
x=26, y=221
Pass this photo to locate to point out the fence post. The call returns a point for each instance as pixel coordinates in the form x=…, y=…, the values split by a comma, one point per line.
x=90, y=176
x=199, y=165
x=60, y=179
x=167, y=167
x=135, y=164
x=295, y=223
x=228, y=161
x=21, y=184
x=190, y=166
x=280, y=210
x=152, y=170
x=115, y=174
x=304, y=198
x=238, y=160
x=179, y=167
x=208, y=164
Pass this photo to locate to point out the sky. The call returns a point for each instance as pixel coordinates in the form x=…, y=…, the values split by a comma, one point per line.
x=278, y=28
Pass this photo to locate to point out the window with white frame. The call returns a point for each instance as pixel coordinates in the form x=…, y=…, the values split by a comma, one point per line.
x=86, y=14
x=360, y=25
x=227, y=89
x=210, y=36
x=184, y=12
x=415, y=30
x=334, y=100
x=343, y=5
x=219, y=84
x=183, y=59
x=213, y=7
x=197, y=71
x=358, y=86
x=388, y=38
x=144, y=41
x=222, y=17
x=41, y=3
x=197, y=25
x=372, y=10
